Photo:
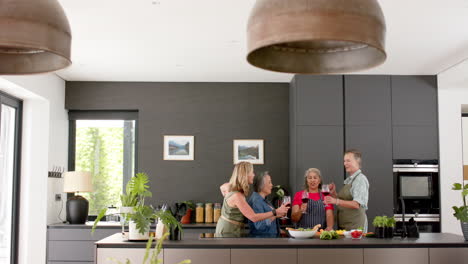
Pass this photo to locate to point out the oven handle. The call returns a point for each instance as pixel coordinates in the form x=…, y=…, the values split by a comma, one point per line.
x=415, y=170
x=419, y=219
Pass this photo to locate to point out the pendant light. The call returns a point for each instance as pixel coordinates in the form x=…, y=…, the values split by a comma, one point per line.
x=35, y=37
x=316, y=36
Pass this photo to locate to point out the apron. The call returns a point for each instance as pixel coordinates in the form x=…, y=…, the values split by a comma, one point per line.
x=314, y=215
x=348, y=218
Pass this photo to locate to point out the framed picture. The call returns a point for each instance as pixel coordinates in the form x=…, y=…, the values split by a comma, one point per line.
x=178, y=147
x=250, y=150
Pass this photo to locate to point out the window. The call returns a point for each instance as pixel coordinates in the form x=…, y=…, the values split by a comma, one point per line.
x=103, y=143
x=10, y=131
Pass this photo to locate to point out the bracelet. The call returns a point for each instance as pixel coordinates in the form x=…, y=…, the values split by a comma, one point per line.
x=337, y=201
x=274, y=212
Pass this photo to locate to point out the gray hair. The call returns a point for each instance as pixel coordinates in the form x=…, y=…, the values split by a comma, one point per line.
x=312, y=170
x=259, y=181
x=356, y=154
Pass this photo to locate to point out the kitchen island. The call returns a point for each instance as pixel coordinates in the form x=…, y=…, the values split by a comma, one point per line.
x=430, y=248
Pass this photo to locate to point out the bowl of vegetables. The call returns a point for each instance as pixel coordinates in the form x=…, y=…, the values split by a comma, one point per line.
x=356, y=234
x=302, y=233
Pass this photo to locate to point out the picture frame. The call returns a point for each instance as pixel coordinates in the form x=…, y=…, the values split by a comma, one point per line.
x=178, y=147
x=250, y=150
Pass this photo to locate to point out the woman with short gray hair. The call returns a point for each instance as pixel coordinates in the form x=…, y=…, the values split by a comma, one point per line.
x=262, y=187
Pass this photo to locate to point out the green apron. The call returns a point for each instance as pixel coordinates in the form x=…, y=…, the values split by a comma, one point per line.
x=348, y=218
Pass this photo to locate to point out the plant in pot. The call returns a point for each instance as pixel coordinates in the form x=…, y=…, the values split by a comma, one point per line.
x=461, y=212
x=389, y=226
x=190, y=207
x=379, y=225
x=136, y=191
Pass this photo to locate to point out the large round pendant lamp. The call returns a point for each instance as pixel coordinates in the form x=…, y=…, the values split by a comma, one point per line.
x=316, y=36
x=35, y=37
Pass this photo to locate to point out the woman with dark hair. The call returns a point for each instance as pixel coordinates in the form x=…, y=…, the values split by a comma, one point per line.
x=235, y=206
x=351, y=200
x=314, y=211
x=262, y=187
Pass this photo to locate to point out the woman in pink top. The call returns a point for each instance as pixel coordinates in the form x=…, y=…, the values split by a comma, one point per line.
x=312, y=211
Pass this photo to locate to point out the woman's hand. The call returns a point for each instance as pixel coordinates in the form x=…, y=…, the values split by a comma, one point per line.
x=303, y=207
x=332, y=188
x=329, y=200
x=329, y=228
x=282, y=210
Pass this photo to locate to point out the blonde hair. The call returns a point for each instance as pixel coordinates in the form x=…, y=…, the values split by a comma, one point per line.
x=312, y=170
x=239, y=180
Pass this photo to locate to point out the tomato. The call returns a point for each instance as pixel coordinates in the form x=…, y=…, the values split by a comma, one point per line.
x=356, y=234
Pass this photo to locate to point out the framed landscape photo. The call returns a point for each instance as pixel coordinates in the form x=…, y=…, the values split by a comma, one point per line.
x=179, y=147
x=250, y=150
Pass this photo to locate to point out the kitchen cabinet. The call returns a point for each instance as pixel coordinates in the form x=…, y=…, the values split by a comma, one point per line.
x=205, y=256
x=316, y=128
x=263, y=256
x=396, y=255
x=113, y=255
x=448, y=255
x=369, y=130
x=330, y=256
x=414, y=117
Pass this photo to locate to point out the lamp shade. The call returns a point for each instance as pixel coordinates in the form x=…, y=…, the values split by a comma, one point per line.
x=316, y=36
x=77, y=181
x=35, y=37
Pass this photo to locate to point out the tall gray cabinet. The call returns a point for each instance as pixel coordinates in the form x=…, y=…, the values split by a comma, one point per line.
x=385, y=117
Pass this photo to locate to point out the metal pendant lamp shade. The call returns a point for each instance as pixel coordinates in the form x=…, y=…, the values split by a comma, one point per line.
x=35, y=37
x=316, y=36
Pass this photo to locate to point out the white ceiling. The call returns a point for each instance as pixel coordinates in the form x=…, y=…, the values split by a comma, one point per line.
x=205, y=40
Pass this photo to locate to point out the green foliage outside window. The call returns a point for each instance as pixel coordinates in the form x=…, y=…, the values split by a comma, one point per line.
x=100, y=151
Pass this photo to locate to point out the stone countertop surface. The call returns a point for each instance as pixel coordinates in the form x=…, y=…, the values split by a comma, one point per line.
x=116, y=225
x=426, y=240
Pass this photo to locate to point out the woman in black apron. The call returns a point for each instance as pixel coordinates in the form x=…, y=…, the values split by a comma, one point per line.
x=312, y=211
x=351, y=200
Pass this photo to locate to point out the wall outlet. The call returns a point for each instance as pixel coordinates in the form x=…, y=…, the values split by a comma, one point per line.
x=58, y=197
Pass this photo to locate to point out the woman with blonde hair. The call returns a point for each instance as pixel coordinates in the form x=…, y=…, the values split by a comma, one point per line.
x=314, y=211
x=235, y=206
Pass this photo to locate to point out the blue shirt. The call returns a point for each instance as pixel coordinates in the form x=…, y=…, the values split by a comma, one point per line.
x=260, y=205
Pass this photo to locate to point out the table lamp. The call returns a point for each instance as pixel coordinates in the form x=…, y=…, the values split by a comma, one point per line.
x=77, y=206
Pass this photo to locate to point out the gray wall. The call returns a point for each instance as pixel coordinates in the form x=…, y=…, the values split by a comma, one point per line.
x=215, y=113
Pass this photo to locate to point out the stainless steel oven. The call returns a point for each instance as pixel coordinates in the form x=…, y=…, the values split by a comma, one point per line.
x=416, y=184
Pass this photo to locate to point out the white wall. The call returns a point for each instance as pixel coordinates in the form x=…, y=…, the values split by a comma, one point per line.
x=453, y=92
x=465, y=139
x=44, y=144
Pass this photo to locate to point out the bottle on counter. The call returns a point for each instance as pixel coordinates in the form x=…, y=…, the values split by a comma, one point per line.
x=199, y=216
x=208, y=213
x=217, y=212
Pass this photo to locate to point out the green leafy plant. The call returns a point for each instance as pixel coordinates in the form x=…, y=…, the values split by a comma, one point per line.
x=461, y=212
x=390, y=221
x=190, y=204
x=151, y=256
x=378, y=221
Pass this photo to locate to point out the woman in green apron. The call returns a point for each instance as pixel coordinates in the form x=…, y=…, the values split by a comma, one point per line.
x=351, y=200
x=235, y=206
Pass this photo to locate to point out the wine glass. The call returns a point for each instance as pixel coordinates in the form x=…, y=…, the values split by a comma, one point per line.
x=287, y=202
x=325, y=191
x=305, y=199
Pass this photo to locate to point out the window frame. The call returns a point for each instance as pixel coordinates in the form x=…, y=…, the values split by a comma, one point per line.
x=16, y=103
x=74, y=115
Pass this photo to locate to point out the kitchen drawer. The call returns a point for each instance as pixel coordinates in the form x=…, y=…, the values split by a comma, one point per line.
x=330, y=256
x=68, y=262
x=71, y=251
x=80, y=234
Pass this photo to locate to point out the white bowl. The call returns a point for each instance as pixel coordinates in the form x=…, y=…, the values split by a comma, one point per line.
x=301, y=234
x=347, y=234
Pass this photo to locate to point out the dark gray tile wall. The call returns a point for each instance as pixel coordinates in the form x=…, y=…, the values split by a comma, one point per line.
x=215, y=113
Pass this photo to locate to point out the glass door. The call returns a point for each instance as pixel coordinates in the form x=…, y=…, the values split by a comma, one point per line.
x=10, y=109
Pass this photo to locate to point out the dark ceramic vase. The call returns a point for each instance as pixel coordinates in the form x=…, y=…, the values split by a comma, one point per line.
x=175, y=233
x=379, y=232
x=464, y=226
x=389, y=232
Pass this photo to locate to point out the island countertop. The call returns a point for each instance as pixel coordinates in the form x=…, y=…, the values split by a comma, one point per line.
x=426, y=240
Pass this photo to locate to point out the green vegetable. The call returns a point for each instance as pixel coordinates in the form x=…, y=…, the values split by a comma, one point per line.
x=329, y=235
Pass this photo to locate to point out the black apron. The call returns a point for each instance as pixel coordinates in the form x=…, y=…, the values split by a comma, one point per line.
x=314, y=215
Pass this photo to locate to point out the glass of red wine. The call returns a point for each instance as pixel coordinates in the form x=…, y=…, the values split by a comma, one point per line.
x=287, y=202
x=325, y=191
x=305, y=199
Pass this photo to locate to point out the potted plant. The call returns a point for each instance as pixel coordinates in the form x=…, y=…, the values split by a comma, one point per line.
x=389, y=226
x=276, y=197
x=379, y=224
x=461, y=212
x=187, y=218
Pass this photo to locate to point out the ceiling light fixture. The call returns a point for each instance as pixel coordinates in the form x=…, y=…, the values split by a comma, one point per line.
x=316, y=36
x=35, y=37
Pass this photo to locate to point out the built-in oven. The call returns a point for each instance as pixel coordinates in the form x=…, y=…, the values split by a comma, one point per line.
x=416, y=189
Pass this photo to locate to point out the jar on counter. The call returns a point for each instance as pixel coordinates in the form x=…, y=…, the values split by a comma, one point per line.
x=208, y=213
x=217, y=212
x=199, y=216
